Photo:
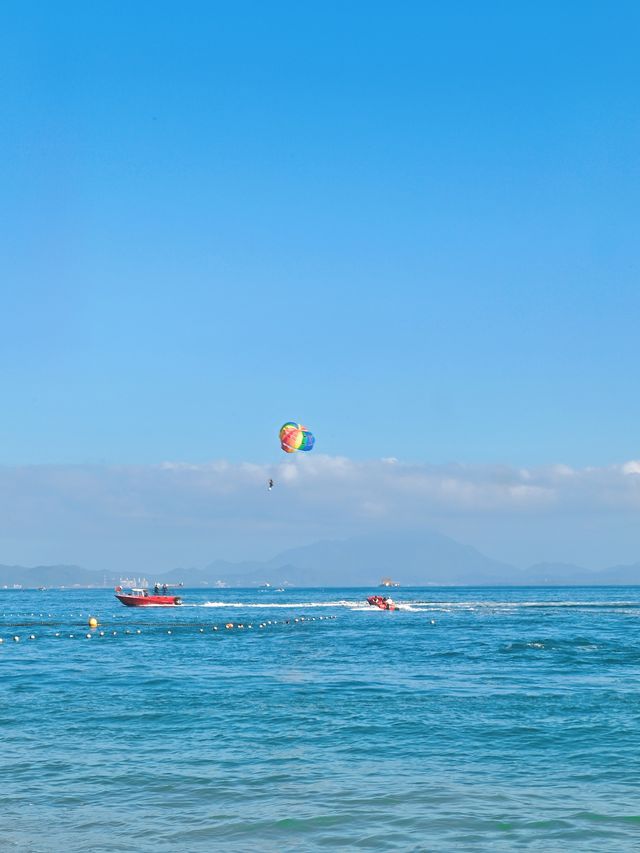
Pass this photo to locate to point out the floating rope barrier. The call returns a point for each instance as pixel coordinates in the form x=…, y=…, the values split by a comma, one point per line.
x=155, y=629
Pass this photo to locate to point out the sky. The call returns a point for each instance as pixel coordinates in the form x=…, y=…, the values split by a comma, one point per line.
x=412, y=226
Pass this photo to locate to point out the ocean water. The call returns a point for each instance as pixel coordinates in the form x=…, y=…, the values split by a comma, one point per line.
x=471, y=719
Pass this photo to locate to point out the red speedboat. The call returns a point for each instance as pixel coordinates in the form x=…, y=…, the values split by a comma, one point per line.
x=382, y=601
x=143, y=598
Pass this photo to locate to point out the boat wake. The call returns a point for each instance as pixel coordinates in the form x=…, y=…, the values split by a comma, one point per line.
x=348, y=604
x=262, y=605
x=424, y=606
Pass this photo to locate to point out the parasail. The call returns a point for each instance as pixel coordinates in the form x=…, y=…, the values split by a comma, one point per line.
x=294, y=437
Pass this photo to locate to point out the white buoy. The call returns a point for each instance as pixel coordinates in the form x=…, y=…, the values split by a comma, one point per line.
x=102, y=633
x=88, y=636
x=168, y=632
x=32, y=636
x=138, y=631
x=16, y=639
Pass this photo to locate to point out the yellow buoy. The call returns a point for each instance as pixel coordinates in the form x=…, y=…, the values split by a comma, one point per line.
x=93, y=622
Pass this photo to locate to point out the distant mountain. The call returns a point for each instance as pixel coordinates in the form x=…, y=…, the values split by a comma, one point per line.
x=423, y=558
x=241, y=574
x=626, y=574
x=566, y=574
x=61, y=575
x=412, y=559
x=556, y=574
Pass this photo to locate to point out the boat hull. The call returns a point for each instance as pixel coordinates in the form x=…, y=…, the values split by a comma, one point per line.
x=149, y=600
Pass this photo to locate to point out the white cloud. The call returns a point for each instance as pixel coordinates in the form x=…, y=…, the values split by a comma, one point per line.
x=204, y=494
x=226, y=507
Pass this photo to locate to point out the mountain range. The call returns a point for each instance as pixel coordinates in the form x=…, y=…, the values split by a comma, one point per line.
x=423, y=558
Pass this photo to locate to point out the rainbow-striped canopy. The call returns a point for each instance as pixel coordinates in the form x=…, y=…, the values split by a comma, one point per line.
x=294, y=437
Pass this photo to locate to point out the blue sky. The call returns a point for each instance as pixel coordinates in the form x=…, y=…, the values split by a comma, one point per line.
x=412, y=226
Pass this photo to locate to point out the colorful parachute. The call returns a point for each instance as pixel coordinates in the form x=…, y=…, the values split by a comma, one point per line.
x=295, y=437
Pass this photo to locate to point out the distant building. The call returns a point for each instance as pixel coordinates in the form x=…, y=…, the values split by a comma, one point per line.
x=133, y=583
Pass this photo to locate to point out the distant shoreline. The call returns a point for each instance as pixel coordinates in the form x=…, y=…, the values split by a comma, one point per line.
x=373, y=585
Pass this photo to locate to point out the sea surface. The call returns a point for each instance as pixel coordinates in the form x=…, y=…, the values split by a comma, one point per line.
x=497, y=719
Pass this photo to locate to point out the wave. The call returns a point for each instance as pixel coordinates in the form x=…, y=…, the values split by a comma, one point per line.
x=421, y=606
x=474, y=605
x=579, y=644
x=346, y=603
x=262, y=605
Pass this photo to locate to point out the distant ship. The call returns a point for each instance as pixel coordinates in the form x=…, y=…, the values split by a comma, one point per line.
x=388, y=582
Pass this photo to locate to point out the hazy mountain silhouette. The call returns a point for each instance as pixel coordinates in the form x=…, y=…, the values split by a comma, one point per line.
x=412, y=559
x=60, y=575
x=421, y=558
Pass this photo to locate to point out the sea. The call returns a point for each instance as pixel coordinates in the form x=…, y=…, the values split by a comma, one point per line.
x=470, y=719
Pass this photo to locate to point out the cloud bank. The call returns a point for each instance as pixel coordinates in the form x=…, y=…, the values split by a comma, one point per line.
x=222, y=509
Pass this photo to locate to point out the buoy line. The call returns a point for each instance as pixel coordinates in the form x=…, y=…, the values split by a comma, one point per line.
x=151, y=630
